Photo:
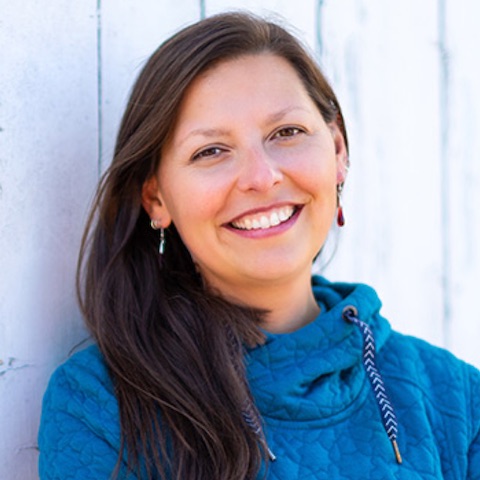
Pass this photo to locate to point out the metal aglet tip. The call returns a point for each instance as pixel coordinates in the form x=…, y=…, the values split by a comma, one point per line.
x=271, y=455
x=397, y=452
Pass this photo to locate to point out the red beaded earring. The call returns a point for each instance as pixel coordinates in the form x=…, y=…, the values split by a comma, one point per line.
x=340, y=217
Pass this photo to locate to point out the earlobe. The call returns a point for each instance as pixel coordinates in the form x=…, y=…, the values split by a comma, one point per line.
x=153, y=203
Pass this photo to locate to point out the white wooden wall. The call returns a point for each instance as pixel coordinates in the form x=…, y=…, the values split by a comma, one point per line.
x=408, y=76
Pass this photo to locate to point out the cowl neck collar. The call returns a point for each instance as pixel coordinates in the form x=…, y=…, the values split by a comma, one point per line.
x=316, y=373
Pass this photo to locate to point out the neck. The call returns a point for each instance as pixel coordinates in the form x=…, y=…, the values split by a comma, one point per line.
x=289, y=305
x=290, y=311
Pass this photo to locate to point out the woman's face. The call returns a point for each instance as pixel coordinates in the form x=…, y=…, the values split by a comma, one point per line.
x=249, y=175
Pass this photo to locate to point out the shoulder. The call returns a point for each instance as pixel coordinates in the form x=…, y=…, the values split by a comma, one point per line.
x=81, y=386
x=84, y=373
x=86, y=361
x=408, y=354
x=79, y=435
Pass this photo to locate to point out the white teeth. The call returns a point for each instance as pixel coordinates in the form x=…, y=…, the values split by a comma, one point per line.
x=274, y=219
x=263, y=222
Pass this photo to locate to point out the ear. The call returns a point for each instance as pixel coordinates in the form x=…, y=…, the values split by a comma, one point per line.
x=341, y=152
x=154, y=204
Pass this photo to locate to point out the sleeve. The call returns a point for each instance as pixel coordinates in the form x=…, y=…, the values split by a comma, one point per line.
x=474, y=450
x=474, y=459
x=79, y=434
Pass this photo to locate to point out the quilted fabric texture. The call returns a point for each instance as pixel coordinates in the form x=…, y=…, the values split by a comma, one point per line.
x=321, y=418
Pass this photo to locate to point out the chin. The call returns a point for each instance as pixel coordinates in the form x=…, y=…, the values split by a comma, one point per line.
x=280, y=271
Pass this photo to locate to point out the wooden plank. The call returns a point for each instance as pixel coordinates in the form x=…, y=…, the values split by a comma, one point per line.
x=47, y=171
x=462, y=174
x=129, y=33
x=382, y=58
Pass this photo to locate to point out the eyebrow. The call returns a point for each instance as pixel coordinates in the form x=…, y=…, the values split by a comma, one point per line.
x=205, y=132
x=215, y=132
x=275, y=117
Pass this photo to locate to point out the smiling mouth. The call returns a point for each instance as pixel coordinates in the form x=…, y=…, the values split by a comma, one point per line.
x=263, y=221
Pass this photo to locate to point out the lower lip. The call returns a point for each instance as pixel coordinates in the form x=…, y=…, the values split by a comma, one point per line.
x=267, y=232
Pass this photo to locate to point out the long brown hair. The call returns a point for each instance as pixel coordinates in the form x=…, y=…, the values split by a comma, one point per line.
x=174, y=349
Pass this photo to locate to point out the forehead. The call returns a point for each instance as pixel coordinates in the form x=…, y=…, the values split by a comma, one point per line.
x=249, y=67
x=263, y=81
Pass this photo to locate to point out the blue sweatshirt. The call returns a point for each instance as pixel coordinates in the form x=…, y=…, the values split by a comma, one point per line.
x=321, y=415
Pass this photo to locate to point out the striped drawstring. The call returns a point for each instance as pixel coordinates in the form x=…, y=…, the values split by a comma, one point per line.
x=389, y=419
x=250, y=413
x=252, y=419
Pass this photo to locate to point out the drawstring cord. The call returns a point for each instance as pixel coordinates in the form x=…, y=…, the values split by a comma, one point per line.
x=250, y=414
x=252, y=419
x=388, y=416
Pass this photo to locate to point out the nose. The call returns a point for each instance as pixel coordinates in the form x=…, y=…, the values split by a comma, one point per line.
x=259, y=171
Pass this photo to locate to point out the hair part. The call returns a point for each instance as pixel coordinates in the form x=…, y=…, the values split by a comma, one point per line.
x=171, y=345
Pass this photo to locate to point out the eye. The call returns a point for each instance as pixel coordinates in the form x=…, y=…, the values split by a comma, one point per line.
x=287, y=132
x=207, y=153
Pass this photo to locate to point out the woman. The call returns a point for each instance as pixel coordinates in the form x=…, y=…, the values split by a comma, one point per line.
x=216, y=355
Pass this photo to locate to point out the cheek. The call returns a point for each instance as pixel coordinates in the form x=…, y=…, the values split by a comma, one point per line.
x=317, y=173
x=193, y=206
x=315, y=157
x=183, y=194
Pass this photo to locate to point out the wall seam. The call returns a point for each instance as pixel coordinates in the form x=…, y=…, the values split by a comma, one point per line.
x=99, y=90
x=444, y=104
x=318, y=30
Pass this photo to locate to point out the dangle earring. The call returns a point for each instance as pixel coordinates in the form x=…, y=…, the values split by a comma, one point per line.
x=161, y=245
x=340, y=217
